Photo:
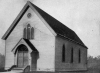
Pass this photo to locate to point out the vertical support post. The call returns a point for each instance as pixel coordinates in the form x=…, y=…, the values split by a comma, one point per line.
x=15, y=58
x=29, y=60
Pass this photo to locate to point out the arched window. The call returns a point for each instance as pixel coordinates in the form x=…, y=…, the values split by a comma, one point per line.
x=79, y=54
x=63, y=53
x=25, y=33
x=28, y=32
x=71, y=55
x=22, y=48
x=32, y=31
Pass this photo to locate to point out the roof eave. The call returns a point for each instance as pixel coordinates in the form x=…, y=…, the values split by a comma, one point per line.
x=19, y=16
x=42, y=19
x=72, y=40
x=21, y=13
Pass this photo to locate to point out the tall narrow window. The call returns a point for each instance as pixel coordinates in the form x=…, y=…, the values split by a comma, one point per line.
x=32, y=31
x=79, y=59
x=28, y=32
x=71, y=55
x=25, y=33
x=63, y=53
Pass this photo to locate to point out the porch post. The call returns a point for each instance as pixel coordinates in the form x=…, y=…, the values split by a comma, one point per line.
x=15, y=58
x=30, y=60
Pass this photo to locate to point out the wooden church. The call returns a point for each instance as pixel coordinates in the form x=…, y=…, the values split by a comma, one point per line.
x=38, y=40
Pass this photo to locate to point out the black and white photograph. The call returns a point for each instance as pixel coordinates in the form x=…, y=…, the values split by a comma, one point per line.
x=49, y=36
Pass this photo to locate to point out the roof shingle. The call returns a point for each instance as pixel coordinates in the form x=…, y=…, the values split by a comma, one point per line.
x=57, y=26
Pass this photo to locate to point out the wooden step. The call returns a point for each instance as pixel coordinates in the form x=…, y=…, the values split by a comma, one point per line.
x=17, y=69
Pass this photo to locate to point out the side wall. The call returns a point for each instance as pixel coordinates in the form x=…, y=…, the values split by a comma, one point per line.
x=67, y=65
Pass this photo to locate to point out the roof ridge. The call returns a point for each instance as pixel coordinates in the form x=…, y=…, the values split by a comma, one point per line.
x=60, y=24
x=56, y=25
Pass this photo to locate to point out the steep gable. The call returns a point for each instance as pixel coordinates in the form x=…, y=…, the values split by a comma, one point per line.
x=20, y=16
x=26, y=42
x=59, y=28
x=56, y=27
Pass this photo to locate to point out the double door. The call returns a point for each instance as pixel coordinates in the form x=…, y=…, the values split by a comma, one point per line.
x=22, y=59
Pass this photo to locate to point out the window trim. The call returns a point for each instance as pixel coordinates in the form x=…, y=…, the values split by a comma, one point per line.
x=28, y=32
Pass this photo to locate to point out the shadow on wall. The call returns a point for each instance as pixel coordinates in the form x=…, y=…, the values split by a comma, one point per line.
x=2, y=62
x=93, y=63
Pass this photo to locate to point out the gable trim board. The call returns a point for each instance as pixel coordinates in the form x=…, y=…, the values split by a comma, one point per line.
x=32, y=48
x=56, y=27
x=20, y=15
x=64, y=37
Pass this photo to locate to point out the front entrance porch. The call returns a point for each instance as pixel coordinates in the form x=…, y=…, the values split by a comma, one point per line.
x=25, y=54
x=24, y=58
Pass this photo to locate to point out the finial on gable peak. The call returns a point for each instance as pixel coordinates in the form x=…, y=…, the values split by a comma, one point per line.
x=29, y=1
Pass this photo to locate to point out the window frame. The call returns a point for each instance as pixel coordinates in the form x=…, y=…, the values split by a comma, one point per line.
x=28, y=32
x=72, y=54
x=63, y=53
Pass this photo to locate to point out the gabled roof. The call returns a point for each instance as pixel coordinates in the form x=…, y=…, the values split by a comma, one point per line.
x=58, y=27
x=27, y=42
x=31, y=45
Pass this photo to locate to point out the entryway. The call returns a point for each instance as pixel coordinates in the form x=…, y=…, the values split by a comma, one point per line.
x=22, y=56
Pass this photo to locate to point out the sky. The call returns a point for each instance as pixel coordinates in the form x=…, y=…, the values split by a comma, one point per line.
x=82, y=16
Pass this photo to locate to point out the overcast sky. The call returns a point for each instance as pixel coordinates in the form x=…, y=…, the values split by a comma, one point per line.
x=82, y=16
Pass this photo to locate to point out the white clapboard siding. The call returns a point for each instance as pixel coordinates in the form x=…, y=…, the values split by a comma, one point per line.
x=45, y=45
x=43, y=40
x=67, y=65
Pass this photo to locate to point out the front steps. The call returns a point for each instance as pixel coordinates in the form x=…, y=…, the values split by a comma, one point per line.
x=17, y=70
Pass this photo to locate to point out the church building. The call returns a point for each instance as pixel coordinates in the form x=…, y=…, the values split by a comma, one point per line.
x=38, y=40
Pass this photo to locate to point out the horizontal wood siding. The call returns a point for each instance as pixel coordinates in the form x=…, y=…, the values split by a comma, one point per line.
x=43, y=40
x=11, y=41
x=45, y=45
x=68, y=65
